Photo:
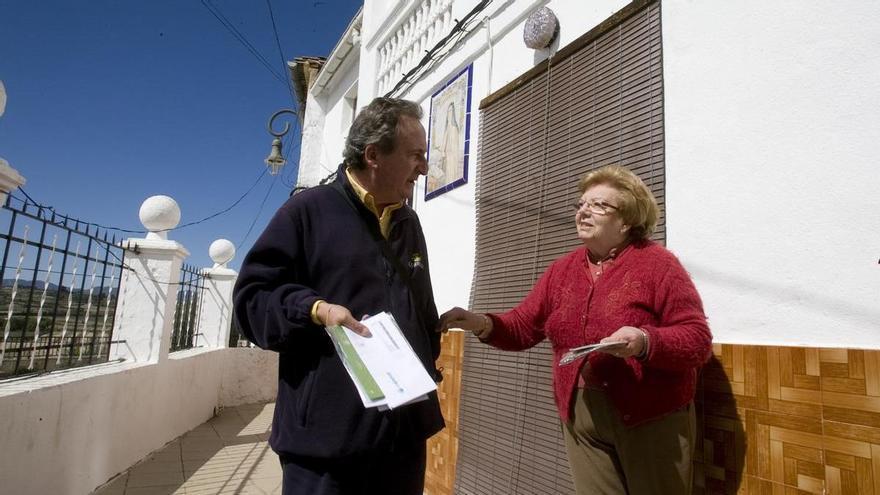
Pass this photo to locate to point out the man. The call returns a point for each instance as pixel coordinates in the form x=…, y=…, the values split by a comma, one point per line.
x=331, y=252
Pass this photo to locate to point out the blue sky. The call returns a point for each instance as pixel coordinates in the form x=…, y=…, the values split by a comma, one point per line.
x=110, y=102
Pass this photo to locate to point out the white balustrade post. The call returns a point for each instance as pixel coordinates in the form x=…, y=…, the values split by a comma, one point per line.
x=216, y=313
x=148, y=292
x=9, y=177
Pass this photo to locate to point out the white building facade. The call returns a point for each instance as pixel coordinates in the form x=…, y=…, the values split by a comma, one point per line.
x=770, y=122
x=768, y=118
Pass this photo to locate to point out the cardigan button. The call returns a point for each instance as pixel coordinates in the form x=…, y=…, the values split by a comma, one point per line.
x=605, y=384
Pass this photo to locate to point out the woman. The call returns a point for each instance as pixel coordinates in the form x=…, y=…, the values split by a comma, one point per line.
x=627, y=411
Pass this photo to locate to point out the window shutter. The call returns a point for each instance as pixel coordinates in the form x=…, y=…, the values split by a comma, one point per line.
x=599, y=101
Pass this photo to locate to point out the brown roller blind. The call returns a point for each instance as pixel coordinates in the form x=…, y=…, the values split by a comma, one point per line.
x=599, y=101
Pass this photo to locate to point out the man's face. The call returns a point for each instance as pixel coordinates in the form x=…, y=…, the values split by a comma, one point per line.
x=399, y=170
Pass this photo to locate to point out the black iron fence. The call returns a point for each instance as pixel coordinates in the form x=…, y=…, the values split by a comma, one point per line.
x=59, y=281
x=190, y=292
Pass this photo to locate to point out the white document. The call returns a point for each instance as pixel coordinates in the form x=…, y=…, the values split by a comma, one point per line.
x=383, y=367
x=573, y=354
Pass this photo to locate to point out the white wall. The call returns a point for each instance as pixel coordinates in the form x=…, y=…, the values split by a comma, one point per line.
x=325, y=126
x=69, y=432
x=773, y=197
x=250, y=375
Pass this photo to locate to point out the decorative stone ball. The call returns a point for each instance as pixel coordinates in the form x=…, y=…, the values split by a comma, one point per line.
x=541, y=28
x=159, y=213
x=221, y=251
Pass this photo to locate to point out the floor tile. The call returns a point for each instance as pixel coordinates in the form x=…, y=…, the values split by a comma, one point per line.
x=227, y=454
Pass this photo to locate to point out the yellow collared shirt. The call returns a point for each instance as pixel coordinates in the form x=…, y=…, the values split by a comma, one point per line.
x=370, y=202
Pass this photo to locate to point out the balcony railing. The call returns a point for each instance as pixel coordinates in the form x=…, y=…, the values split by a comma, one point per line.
x=426, y=23
x=59, y=281
x=190, y=292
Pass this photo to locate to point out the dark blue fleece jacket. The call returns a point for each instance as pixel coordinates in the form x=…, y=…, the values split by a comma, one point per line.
x=319, y=246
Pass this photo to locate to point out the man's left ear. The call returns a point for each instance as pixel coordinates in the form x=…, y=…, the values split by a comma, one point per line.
x=371, y=154
x=624, y=229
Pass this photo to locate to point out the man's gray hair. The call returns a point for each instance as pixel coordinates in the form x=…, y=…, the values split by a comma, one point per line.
x=377, y=124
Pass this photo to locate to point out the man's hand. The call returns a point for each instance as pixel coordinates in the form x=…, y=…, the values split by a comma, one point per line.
x=636, y=342
x=334, y=314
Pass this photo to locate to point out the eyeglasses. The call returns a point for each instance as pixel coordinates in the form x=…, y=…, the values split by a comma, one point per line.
x=596, y=208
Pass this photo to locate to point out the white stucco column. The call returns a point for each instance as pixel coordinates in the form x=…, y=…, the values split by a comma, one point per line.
x=9, y=177
x=148, y=292
x=9, y=180
x=216, y=314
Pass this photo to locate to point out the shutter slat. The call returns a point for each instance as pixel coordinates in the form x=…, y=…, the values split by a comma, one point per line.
x=603, y=104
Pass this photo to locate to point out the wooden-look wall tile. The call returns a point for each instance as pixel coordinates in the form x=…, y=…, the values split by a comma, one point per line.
x=851, y=401
x=840, y=461
x=758, y=486
x=812, y=359
x=851, y=420
x=787, y=366
x=807, y=421
x=774, y=374
x=807, y=382
x=807, y=395
x=798, y=360
x=865, y=479
x=811, y=484
x=756, y=361
x=798, y=424
x=800, y=453
x=793, y=408
x=872, y=372
x=875, y=467
x=863, y=435
x=813, y=470
x=442, y=448
x=856, y=363
x=832, y=479
x=844, y=385
x=835, y=355
x=833, y=369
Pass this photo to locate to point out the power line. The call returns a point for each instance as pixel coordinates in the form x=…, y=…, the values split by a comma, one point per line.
x=266, y=197
x=281, y=55
x=134, y=231
x=428, y=60
x=215, y=11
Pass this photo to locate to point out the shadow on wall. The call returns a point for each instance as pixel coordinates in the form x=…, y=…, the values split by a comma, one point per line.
x=719, y=460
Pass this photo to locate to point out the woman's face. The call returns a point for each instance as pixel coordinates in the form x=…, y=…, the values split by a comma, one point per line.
x=598, y=221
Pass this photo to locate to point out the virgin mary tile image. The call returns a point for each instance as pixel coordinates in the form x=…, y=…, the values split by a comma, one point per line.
x=448, y=142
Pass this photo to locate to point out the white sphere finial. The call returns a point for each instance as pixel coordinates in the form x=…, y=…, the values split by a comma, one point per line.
x=2, y=98
x=221, y=251
x=158, y=214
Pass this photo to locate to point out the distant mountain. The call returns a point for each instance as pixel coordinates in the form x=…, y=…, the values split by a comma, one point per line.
x=38, y=286
x=26, y=284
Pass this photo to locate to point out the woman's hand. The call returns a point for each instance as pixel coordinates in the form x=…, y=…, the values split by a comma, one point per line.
x=636, y=342
x=334, y=314
x=479, y=324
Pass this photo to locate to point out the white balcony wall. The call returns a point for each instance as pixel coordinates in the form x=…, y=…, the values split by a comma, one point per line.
x=69, y=432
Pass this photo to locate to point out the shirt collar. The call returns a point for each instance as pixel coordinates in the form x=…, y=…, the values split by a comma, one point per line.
x=367, y=198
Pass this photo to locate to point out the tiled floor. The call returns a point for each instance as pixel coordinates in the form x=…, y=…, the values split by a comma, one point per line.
x=228, y=454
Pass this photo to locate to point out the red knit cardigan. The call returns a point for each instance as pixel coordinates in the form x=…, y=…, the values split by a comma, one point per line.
x=645, y=287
